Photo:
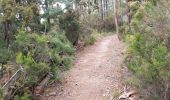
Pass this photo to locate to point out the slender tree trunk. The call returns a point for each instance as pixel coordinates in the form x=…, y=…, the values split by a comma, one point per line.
x=7, y=31
x=104, y=10
x=107, y=14
x=48, y=18
x=102, y=15
x=128, y=14
x=120, y=7
x=2, y=70
x=100, y=12
x=98, y=22
x=116, y=19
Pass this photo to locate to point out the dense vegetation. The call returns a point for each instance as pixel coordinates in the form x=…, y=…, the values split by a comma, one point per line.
x=148, y=54
x=37, y=39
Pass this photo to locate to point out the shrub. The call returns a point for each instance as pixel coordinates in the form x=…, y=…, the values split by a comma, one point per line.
x=5, y=55
x=40, y=55
x=1, y=93
x=148, y=52
x=90, y=40
x=26, y=96
x=69, y=23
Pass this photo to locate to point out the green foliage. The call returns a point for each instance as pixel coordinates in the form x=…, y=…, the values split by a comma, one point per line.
x=134, y=5
x=1, y=93
x=42, y=54
x=69, y=23
x=8, y=7
x=5, y=53
x=90, y=40
x=62, y=49
x=52, y=12
x=26, y=96
x=148, y=52
x=154, y=2
x=40, y=48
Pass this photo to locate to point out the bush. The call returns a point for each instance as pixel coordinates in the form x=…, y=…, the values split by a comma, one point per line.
x=90, y=40
x=5, y=55
x=40, y=55
x=69, y=23
x=1, y=93
x=148, y=53
x=26, y=96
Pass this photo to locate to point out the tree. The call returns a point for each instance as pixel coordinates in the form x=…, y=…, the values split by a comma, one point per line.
x=116, y=16
x=22, y=43
x=69, y=23
x=148, y=57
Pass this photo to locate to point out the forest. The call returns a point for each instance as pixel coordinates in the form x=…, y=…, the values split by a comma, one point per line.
x=84, y=50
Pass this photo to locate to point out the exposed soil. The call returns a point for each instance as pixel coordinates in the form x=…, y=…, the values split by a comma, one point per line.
x=96, y=75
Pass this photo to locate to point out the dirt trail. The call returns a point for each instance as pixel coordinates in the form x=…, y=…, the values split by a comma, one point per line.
x=96, y=74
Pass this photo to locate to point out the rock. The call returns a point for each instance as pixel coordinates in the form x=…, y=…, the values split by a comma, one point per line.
x=127, y=95
x=104, y=95
x=111, y=98
x=76, y=84
x=52, y=94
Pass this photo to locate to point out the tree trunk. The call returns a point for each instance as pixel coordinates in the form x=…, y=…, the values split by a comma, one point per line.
x=107, y=14
x=128, y=14
x=101, y=15
x=116, y=19
x=7, y=31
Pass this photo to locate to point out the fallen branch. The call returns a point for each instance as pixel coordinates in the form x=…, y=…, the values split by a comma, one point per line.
x=43, y=83
x=20, y=69
x=127, y=95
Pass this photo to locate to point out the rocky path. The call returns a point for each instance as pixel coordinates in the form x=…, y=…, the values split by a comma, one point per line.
x=96, y=74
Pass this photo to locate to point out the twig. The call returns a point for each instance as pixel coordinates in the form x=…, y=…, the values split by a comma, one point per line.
x=20, y=69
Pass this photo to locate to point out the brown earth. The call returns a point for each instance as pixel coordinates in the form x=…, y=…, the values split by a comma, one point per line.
x=96, y=75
